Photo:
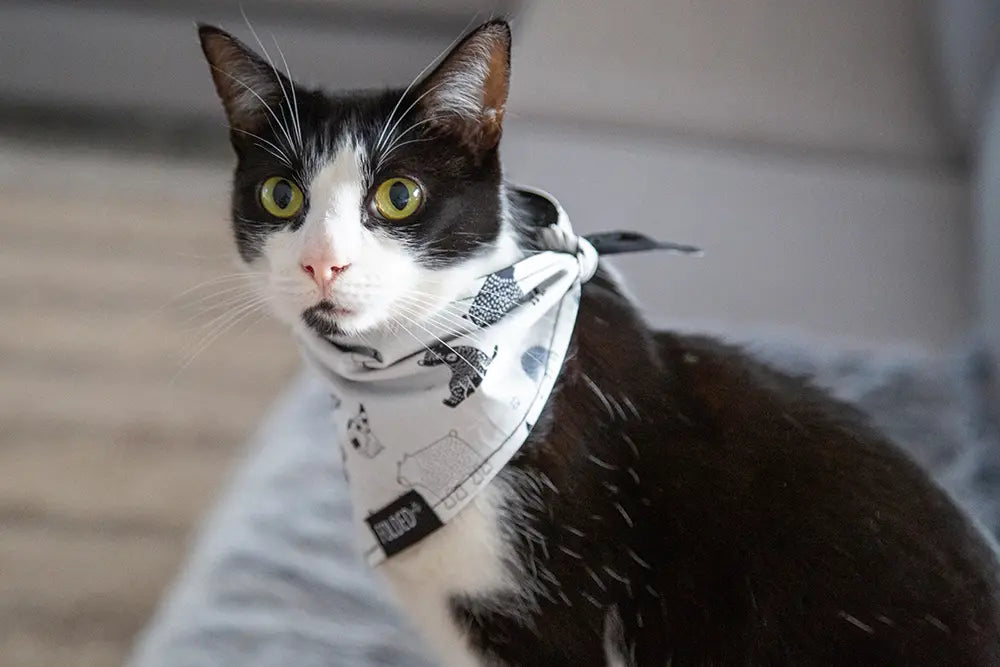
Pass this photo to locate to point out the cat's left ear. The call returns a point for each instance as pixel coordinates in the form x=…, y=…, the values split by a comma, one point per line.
x=249, y=87
x=467, y=92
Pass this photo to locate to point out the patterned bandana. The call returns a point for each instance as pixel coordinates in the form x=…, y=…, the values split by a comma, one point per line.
x=425, y=425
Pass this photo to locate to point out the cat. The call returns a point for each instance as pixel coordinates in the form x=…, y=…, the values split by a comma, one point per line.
x=360, y=436
x=467, y=365
x=723, y=513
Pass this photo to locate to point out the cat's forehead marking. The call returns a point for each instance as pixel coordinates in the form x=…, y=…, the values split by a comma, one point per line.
x=340, y=181
x=332, y=231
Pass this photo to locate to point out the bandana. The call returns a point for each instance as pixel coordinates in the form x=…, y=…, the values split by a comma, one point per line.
x=426, y=419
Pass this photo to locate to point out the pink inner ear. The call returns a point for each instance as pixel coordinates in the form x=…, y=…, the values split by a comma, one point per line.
x=497, y=82
x=468, y=90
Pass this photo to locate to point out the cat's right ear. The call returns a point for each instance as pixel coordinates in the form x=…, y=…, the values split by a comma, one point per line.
x=467, y=92
x=247, y=85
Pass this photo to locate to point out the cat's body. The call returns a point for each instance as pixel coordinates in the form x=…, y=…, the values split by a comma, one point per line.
x=732, y=516
x=676, y=502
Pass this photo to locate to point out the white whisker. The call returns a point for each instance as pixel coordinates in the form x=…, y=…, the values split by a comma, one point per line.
x=413, y=104
x=465, y=327
x=275, y=150
x=234, y=304
x=384, y=154
x=206, y=341
x=267, y=107
x=420, y=74
x=446, y=345
x=277, y=77
x=296, y=121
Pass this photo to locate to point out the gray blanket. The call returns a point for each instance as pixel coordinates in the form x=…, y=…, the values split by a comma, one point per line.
x=274, y=580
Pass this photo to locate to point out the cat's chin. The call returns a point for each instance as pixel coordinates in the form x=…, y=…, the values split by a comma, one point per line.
x=329, y=320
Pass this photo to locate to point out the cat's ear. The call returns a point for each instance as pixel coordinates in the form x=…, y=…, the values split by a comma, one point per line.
x=247, y=85
x=467, y=92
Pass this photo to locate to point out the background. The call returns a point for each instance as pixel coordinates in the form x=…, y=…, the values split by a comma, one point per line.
x=836, y=159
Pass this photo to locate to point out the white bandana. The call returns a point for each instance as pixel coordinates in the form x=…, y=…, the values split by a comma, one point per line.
x=425, y=425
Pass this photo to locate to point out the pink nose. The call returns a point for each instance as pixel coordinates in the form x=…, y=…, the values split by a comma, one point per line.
x=324, y=274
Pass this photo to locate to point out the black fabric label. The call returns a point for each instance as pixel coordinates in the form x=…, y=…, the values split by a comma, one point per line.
x=613, y=243
x=405, y=521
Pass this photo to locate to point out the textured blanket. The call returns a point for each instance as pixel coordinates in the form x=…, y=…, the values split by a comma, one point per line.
x=274, y=578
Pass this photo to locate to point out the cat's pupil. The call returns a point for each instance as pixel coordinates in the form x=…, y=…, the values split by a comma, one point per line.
x=282, y=194
x=399, y=195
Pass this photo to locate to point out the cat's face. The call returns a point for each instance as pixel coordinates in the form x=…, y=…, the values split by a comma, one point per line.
x=364, y=210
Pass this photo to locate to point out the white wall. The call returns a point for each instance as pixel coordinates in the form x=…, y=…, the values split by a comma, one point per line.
x=841, y=75
x=797, y=141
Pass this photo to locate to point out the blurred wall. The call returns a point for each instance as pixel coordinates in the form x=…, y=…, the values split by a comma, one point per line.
x=800, y=142
x=142, y=56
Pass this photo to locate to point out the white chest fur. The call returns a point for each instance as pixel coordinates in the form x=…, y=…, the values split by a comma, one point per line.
x=467, y=555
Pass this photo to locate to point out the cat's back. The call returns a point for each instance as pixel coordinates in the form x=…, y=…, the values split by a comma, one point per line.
x=793, y=532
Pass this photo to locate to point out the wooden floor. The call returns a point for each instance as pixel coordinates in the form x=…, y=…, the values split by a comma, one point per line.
x=110, y=446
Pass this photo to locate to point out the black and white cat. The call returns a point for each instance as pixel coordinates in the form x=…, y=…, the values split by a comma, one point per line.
x=726, y=514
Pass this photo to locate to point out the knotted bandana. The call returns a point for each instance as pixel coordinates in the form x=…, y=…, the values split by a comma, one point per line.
x=424, y=425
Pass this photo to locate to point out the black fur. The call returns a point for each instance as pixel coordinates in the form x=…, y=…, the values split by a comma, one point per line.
x=737, y=516
x=726, y=513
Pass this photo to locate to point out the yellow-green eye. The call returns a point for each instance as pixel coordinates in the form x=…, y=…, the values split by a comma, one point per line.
x=398, y=198
x=280, y=197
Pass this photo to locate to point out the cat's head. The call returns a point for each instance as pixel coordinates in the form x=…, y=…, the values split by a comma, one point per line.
x=362, y=210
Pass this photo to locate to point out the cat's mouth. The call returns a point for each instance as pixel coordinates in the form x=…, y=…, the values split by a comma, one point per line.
x=324, y=318
x=331, y=309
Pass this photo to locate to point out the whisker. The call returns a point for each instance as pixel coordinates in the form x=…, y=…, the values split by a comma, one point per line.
x=276, y=152
x=217, y=279
x=241, y=290
x=435, y=307
x=395, y=141
x=210, y=338
x=212, y=282
x=465, y=327
x=412, y=127
x=448, y=347
x=391, y=150
x=253, y=92
x=274, y=69
x=413, y=104
x=295, y=102
x=280, y=158
x=420, y=74
x=261, y=315
x=396, y=322
x=229, y=307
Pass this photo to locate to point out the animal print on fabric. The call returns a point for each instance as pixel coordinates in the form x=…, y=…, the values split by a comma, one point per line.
x=498, y=295
x=360, y=436
x=416, y=388
x=467, y=364
x=533, y=361
x=440, y=467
